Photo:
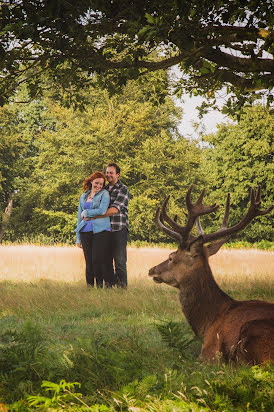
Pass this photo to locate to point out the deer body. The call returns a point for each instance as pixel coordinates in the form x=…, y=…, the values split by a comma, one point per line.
x=237, y=330
x=225, y=336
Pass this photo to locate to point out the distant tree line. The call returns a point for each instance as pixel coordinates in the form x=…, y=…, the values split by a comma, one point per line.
x=46, y=150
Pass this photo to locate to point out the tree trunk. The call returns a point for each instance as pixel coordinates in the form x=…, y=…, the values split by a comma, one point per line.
x=6, y=217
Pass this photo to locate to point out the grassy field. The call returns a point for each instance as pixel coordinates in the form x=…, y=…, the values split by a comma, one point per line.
x=66, y=264
x=129, y=350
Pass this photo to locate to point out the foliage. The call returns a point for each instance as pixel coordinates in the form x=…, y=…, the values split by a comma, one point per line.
x=263, y=244
x=253, y=388
x=214, y=44
x=107, y=341
x=173, y=334
x=188, y=385
x=19, y=126
x=245, y=390
x=25, y=357
x=137, y=128
x=163, y=166
x=48, y=149
x=240, y=156
x=63, y=396
x=13, y=149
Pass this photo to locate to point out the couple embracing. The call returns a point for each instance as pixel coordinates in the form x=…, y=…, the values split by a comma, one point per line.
x=102, y=228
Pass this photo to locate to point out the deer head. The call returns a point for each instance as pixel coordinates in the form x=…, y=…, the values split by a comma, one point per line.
x=192, y=254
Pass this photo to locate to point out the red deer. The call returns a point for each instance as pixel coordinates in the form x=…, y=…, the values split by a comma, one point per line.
x=240, y=331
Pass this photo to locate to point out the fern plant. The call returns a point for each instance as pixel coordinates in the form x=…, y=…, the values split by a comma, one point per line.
x=175, y=337
x=63, y=396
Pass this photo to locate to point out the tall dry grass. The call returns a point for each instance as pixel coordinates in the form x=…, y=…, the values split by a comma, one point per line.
x=31, y=263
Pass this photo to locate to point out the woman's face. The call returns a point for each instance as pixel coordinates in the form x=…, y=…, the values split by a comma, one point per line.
x=97, y=184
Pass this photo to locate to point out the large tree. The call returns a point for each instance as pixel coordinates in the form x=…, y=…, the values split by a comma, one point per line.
x=15, y=151
x=240, y=156
x=214, y=43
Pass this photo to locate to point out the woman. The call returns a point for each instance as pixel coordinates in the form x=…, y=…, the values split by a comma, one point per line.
x=93, y=236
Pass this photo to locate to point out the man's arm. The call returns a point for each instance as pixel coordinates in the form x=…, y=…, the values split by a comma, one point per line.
x=110, y=212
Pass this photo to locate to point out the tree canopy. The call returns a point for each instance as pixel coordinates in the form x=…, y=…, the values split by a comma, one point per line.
x=214, y=44
x=240, y=156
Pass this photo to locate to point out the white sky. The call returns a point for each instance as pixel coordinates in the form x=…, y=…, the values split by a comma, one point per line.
x=190, y=115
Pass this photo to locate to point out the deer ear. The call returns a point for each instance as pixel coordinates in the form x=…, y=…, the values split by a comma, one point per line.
x=196, y=246
x=213, y=248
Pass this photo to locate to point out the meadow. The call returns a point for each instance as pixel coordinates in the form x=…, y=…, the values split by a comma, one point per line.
x=127, y=350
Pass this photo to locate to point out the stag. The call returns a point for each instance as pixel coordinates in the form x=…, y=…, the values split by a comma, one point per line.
x=240, y=331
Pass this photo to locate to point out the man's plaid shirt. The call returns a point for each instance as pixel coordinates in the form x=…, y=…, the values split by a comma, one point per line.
x=119, y=198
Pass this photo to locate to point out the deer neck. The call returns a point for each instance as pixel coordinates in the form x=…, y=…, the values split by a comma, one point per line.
x=202, y=300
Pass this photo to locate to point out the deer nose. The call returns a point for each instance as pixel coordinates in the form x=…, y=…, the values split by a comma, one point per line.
x=151, y=271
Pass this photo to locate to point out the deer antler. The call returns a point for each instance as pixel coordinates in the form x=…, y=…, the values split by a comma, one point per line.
x=215, y=246
x=224, y=222
x=178, y=232
x=253, y=211
x=195, y=210
x=172, y=222
x=159, y=220
x=182, y=233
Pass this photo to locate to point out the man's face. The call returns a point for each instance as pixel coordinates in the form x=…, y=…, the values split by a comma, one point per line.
x=112, y=176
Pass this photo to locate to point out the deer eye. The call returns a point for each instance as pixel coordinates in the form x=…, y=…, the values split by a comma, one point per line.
x=170, y=259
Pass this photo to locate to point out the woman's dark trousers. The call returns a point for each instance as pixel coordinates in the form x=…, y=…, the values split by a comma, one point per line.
x=86, y=241
x=102, y=257
x=97, y=252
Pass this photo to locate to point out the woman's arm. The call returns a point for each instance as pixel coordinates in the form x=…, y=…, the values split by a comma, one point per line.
x=101, y=210
x=79, y=219
x=79, y=213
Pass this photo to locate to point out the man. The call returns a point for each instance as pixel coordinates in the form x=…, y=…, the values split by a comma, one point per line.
x=118, y=212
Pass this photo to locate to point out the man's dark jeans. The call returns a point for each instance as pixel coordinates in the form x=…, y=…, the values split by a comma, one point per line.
x=119, y=252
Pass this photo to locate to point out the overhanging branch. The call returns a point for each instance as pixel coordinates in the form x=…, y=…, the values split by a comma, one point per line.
x=241, y=64
x=241, y=83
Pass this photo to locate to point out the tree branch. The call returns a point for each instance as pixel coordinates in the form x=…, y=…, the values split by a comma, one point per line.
x=99, y=62
x=238, y=32
x=239, y=82
x=254, y=64
x=6, y=217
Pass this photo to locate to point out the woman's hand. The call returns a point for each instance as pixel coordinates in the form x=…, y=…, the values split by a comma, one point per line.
x=83, y=217
x=86, y=218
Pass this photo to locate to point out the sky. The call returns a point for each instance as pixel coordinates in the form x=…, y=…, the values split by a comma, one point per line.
x=209, y=122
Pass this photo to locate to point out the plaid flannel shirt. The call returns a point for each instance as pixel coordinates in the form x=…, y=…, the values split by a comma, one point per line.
x=119, y=198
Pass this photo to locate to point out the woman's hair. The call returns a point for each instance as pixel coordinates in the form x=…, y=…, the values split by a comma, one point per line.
x=88, y=180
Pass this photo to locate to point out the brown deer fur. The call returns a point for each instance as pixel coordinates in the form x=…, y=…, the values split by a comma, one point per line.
x=236, y=330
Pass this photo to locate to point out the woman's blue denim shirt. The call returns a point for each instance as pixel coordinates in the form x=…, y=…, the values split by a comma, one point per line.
x=99, y=206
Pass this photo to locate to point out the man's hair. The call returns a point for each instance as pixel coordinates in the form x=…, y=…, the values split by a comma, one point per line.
x=112, y=164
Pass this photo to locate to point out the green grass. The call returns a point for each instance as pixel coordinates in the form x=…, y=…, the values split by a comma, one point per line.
x=127, y=349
